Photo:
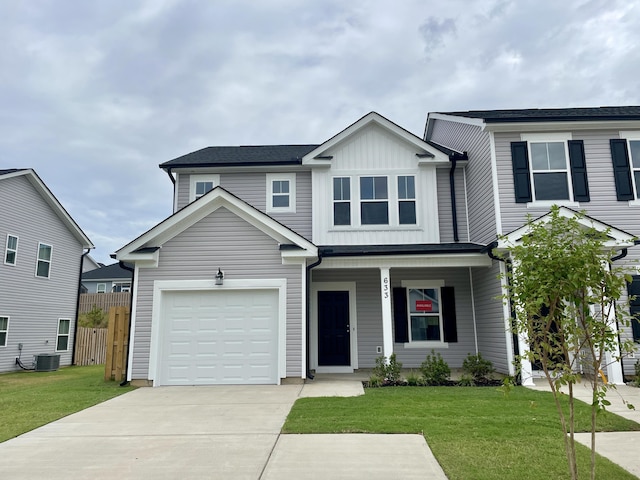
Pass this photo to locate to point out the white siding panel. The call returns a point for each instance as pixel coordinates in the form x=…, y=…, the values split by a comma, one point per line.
x=243, y=252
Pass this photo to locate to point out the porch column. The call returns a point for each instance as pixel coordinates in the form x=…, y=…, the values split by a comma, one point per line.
x=526, y=372
x=612, y=359
x=387, y=317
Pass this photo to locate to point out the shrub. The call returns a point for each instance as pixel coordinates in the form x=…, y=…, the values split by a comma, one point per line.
x=435, y=370
x=479, y=368
x=388, y=371
x=95, y=318
x=375, y=381
x=636, y=379
x=413, y=379
x=466, y=381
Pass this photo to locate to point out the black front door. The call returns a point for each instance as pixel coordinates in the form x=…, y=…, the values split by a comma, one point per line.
x=334, y=339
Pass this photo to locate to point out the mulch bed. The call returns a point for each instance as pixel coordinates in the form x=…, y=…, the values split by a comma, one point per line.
x=449, y=383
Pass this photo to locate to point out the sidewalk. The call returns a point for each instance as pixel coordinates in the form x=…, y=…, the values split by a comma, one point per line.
x=622, y=448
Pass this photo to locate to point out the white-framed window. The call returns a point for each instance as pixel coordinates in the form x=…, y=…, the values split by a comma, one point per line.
x=342, y=201
x=281, y=193
x=121, y=287
x=101, y=288
x=633, y=146
x=62, y=338
x=425, y=311
x=549, y=166
x=406, y=199
x=374, y=201
x=201, y=184
x=11, y=250
x=4, y=330
x=43, y=263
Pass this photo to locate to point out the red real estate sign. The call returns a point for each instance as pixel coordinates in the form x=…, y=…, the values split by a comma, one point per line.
x=424, y=306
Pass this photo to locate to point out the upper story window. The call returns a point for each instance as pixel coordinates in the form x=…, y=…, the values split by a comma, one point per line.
x=549, y=167
x=43, y=263
x=200, y=185
x=406, y=200
x=634, y=151
x=4, y=330
x=11, y=250
x=281, y=193
x=374, y=203
x=342, y=201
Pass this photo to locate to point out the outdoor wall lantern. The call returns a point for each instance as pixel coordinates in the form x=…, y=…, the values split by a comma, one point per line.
x=219, y=277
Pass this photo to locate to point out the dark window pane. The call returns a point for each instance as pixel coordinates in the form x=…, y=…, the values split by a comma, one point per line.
x=636, y=175
x=11, y=258
x=3, y=339
x=366, y=188
x=342, y=213
x=557, y=158
x=64, y=327
x=281, y=201
x=43, y=269
x=551, y=186
x=406, y=188
x=281, y=186
x=380, y=188
x=63, y=343
x=12, y=243
x=374, y=213
x=425, y=328
x=407, y=211
x=203, y=187
x=44, y=252
x=539, y=158
x=4, y=323
x=341, y=189
x=635, y=153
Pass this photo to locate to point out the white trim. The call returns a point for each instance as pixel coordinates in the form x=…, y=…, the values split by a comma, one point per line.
x=68, y=335
x=7, y=250
x=506, y=313
x=550, y=137
x=478, y=122
x=38, y=260
x=6, y=331
x=353, y=324
x=424, y=285
x=303, y=321
x=546, y=137
x=132, y=328
x=495, y=183
x=193, y=179
x=387, y=313
x=427, y=343
x=473, y=311
x=162, y=286
x=281, y=177
x=399, y=261
x=104, y=290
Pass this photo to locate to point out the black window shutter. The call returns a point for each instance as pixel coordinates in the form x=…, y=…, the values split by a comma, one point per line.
x=449, y=314
x=400, y=318
x=578, y=171
x=621, y=171
x=521, y=180
x=633, y=289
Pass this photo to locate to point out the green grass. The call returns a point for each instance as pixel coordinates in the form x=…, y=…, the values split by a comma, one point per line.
x=475, y=433
x=31, y=399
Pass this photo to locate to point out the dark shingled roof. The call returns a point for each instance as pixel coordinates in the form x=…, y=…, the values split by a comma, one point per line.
x=110, y=272
x=418, y=249
x=10, y=170
x=552, y=114
x=242, y=156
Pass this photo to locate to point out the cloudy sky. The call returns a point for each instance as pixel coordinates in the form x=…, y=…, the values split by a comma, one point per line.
x=95, y=94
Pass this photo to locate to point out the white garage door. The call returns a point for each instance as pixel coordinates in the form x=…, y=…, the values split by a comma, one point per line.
x=219, y=337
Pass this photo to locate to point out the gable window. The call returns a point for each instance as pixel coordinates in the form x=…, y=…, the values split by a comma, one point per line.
x=4, y=331
x=200, y=185
x=43, y=264
x=342, y=201
x=11, y=250
x=281, y=193
x=374, y=204
x=549, y=168
x=407, y=200
x=62, y=340
x=101, y=288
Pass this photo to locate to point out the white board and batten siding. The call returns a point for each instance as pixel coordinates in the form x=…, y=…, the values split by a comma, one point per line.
x=243, y=252
x=373, y=151
x=34, y=305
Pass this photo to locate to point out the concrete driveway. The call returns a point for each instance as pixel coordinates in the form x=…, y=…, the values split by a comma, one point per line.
x=213, y=432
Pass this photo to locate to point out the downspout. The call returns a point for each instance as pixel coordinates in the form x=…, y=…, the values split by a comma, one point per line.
x=452, y=187
x=173, y=181
x=310, y=376
x=75, y=327
x=126, y=365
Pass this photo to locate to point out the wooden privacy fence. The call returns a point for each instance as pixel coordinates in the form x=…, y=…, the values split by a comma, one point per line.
x=103, y=301
x=117, y=344
x=91, y=346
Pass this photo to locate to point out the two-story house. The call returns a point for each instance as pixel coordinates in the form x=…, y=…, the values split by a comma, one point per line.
x=281, y=260
x=41, y=257
x=107, y=279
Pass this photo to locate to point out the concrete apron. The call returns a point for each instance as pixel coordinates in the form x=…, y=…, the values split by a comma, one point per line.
x=226, y=432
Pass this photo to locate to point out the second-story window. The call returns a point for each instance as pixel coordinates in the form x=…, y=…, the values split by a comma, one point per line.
x=634, y=151
x=374, y=201
x=342, y=201
x=202, y=184
x=407, y=200
x=549, y=170
x=11, y=251
x=43, y=264
x=281, y=193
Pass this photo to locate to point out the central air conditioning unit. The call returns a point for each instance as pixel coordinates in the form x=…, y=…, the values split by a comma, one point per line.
x=47, y=362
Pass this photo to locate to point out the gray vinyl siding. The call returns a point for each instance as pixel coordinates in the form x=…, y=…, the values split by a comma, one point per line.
x=243, y=252
x=369, y=312
x=445, y=215
x=471, y=139
x=33, y=304
x=252, y=188
x=490, y=321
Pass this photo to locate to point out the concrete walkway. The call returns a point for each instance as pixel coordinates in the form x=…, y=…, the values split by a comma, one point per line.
x=622, y=448
x=217, y=432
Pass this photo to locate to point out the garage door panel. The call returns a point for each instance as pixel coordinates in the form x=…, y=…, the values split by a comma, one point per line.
x=216, y=337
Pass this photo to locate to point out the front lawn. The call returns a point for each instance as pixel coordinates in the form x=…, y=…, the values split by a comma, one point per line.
x=32, y=399
x=474, y=432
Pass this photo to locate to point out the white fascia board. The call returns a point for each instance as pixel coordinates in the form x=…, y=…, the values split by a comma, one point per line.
x=478, y=122
x=141, y=259
x=562, y=126
x=406, y=261
x=53, y=202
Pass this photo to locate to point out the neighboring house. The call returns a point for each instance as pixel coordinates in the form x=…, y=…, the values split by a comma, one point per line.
x=107, y=279
x=285, y=259
x=42, y=249
x=88, y=264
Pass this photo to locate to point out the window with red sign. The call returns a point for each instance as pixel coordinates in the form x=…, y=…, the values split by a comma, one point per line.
x=424, y=314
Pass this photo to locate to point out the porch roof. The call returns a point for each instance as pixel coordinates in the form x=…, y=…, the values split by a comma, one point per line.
x=413, y=249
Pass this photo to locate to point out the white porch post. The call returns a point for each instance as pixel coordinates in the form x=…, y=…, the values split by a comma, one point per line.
x=526, y=371
x=614, y=366
x=385, y=295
